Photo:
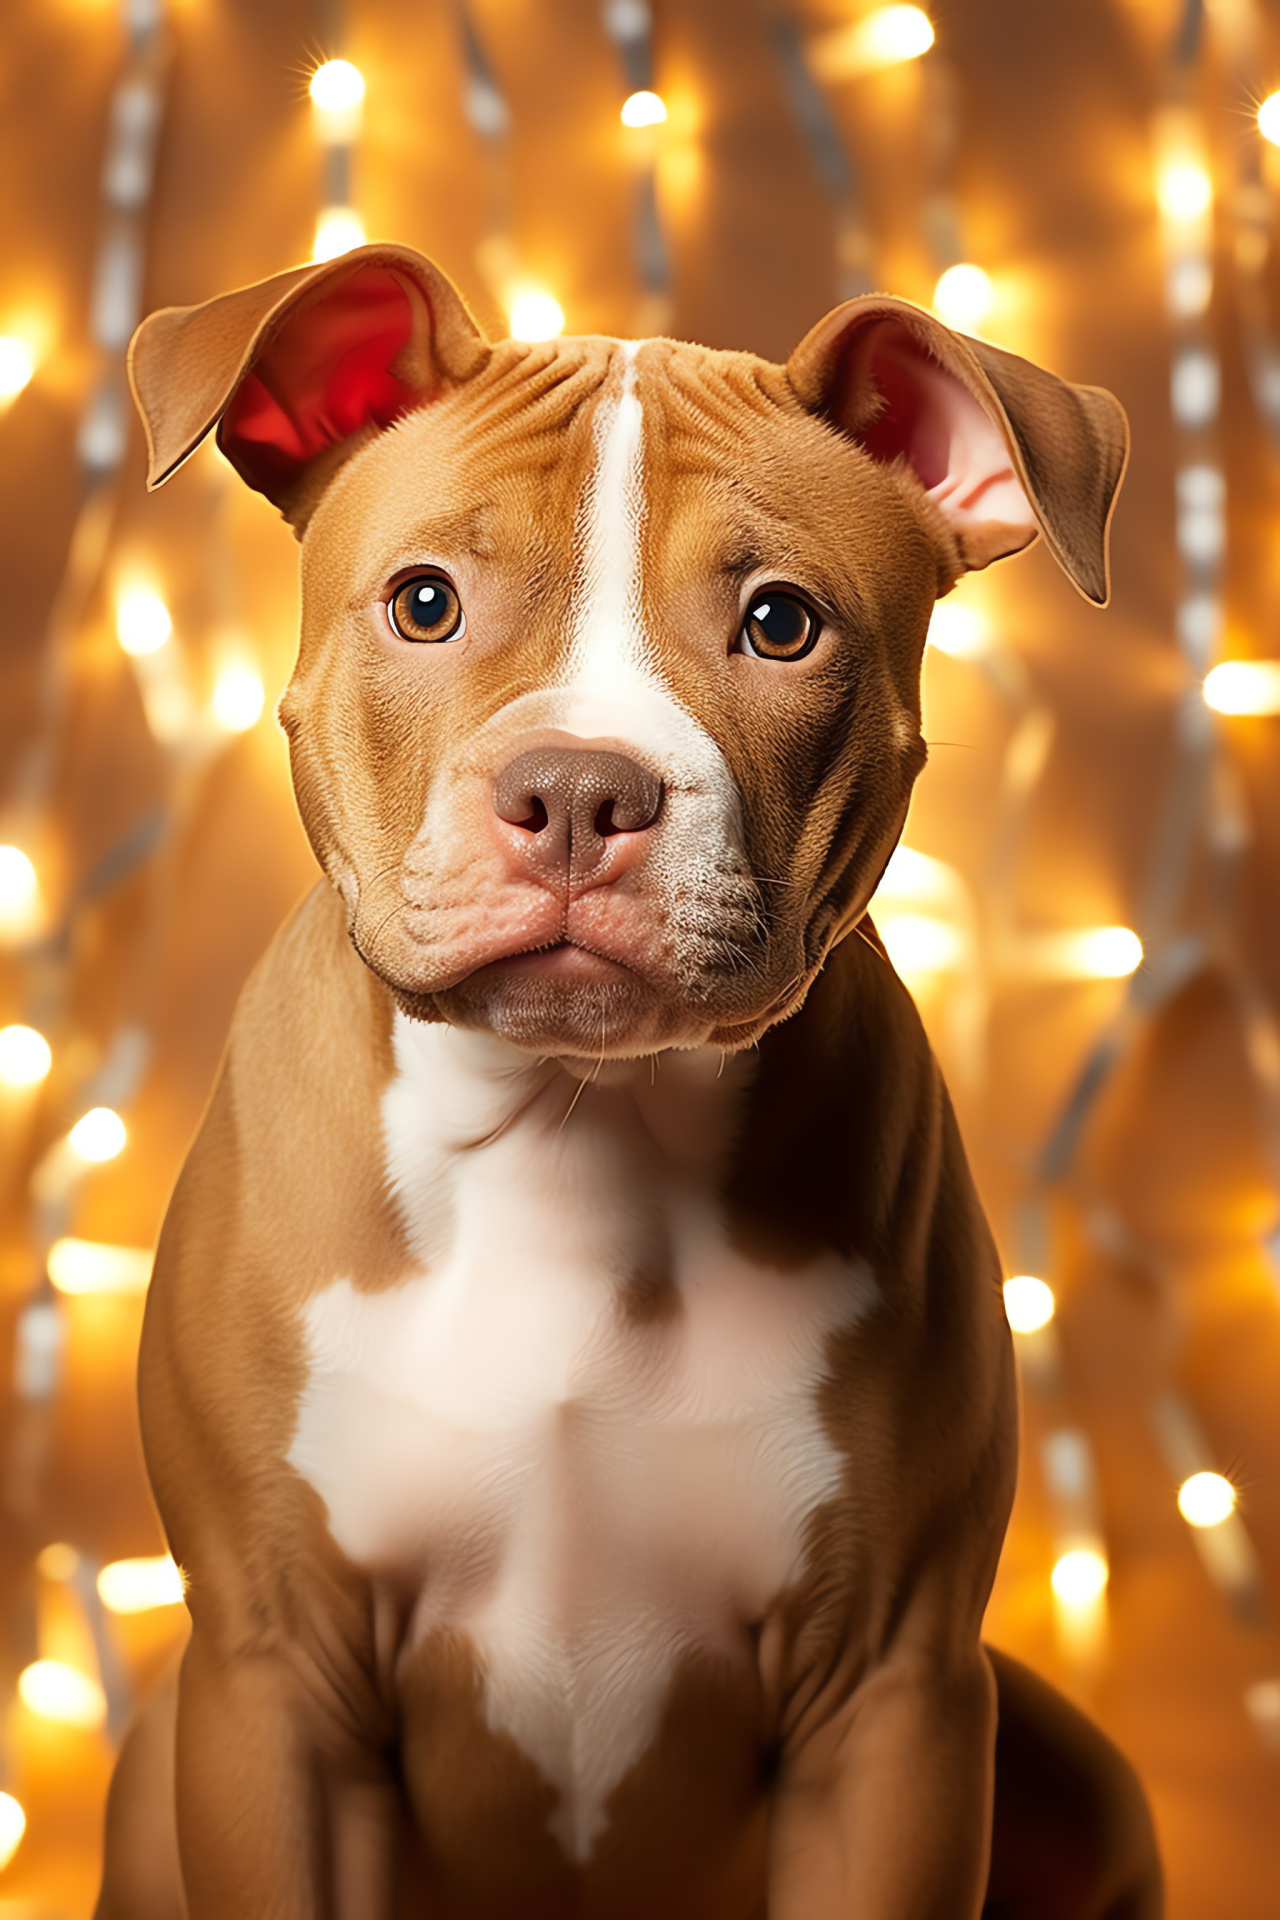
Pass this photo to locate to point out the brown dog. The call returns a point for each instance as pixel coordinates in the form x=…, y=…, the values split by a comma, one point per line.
x=575, y=1378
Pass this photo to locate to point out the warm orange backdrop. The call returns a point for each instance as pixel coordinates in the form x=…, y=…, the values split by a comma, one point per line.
x=1054, y=178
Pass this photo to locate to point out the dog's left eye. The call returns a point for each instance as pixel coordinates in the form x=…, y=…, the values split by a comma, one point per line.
x=426, y=608
x=779, y=626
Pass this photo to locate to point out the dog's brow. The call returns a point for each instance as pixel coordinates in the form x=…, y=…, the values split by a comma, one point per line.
x=463, y=530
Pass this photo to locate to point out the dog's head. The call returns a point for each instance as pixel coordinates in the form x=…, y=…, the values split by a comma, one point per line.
x=606, y=713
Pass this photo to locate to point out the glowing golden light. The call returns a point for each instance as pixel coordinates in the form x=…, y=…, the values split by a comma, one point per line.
x=95, y=1266
x=136, y=1586
x=13, y=1824
x=884, y=38
x=143, y=624
x=959, y=630
x=1088, y=953
x=1184, y=191
x=337, y=86
x=1028, y=1303
x=58, y=1692
x=17, y=364
x=1106, y=953
x=963, y=296
x=338, y=230
x=25, y=1056
x=57, y=1561
x=19, y=893
x=98, y=1135
x=918, y=943
x=1080, y=1576
x=1244, y=686
x=644, y=109
x=1269, y=119
x=238, y=699
x=535, y=315
x=1206, y=1500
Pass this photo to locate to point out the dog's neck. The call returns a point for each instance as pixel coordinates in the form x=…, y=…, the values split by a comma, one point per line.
x=459, y=1095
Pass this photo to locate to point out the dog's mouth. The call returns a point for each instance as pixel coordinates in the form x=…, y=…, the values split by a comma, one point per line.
x=565, y=963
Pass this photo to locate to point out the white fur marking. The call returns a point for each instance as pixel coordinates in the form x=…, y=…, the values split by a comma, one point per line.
x=588, y=1497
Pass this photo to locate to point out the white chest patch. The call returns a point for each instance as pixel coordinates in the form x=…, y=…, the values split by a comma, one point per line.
x=587, y=1494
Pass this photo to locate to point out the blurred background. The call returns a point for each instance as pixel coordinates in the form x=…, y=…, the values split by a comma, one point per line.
x=1087, y=899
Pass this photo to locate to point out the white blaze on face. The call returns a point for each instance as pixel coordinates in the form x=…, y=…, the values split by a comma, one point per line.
x=615, y=690
x=592, y=1500
x=608, y=637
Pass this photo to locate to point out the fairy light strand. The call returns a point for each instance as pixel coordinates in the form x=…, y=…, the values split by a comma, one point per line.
x=629, y=25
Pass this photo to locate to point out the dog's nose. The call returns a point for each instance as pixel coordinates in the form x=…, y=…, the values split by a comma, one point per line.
x=573, y=801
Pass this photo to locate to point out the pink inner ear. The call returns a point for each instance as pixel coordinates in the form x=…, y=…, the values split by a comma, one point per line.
x=958, y=453
x=324, y=377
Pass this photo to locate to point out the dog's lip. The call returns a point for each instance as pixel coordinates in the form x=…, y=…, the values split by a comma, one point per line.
x=564, y=961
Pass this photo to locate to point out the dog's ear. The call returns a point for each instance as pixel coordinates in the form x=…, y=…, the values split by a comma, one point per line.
x=1001, y=448
x=301, y=369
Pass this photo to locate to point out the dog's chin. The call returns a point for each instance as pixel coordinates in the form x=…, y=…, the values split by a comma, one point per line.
x=567, y=1002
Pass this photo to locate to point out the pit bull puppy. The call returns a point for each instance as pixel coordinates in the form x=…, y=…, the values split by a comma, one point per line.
x=575, y=1380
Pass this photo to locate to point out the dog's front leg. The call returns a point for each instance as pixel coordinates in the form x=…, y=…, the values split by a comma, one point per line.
x=282, y=1815
x=884, y=1812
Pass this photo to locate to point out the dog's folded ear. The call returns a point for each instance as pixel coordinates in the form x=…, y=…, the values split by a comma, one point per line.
x=1002, y=449
x=302, y=368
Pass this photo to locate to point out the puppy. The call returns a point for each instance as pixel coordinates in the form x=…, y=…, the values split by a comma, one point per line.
x=575, y=1379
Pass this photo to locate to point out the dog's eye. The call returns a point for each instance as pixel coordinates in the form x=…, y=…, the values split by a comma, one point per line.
x=426, y=608
x=778, y=626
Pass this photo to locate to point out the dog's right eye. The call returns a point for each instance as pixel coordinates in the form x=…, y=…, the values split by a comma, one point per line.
x=426, y=608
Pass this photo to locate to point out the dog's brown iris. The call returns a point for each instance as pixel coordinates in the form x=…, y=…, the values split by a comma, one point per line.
x=779, y=627
x=427, y=608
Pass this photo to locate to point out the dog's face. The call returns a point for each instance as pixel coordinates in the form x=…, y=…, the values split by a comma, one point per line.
x=606, y=714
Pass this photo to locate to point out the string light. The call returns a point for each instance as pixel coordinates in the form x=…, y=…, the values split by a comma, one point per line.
x=917, y=943
x=58, y=1692
x=337, y=88
x=1087, y=953
x=644, y=109
x=13, y=1824
x=19, y=893
x=238, y=699
x=1244, y=686
x=1269, y=119
x=535, y=315
x=25, y=1056
x=138, y=1586
x=94, y=1266
x=99, y=1135
x=1028, y=1303
x=337, y=101
x=963, y=296
x=143, y=622
x=960, y=630
x=885, y=38
x=338, y=230
x=1206, y=1500
x=1079, y=1577
x=58, y=1561
x=1184, y=191
x=17, y=365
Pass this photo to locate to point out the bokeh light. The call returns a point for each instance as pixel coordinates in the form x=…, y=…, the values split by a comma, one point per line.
x=536, y=315
x=1028, y=1303
x=25, y=1056
x=99, y=1135
x=1206, y=1499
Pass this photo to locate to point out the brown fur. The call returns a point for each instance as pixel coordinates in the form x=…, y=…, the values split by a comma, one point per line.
x=326, y=1763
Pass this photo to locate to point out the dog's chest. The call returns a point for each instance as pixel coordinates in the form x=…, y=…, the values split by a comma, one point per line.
x=583, y=1432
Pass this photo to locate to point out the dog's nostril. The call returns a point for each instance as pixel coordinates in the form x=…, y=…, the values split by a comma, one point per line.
x=535, y=819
